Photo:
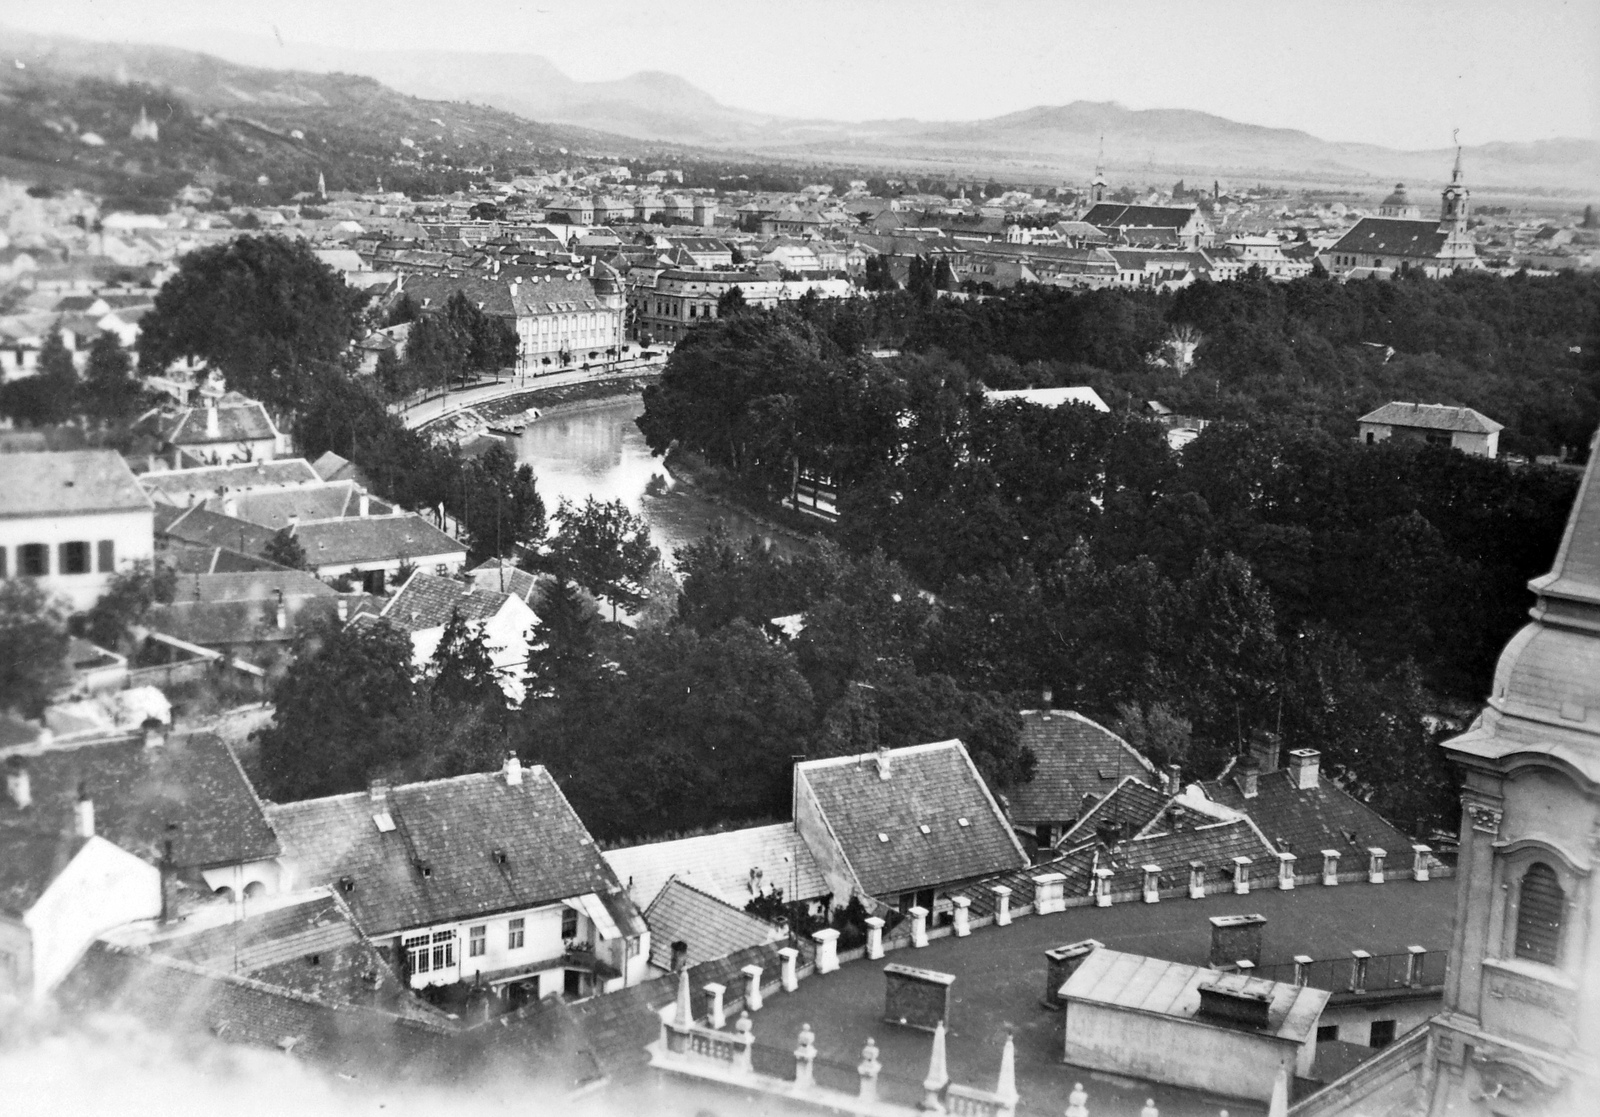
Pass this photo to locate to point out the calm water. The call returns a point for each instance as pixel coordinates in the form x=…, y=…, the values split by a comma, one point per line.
x=599, y=452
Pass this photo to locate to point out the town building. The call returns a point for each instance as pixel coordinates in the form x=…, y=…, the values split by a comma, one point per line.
x=735, y=866
x=488, y=878
x=423, y=606
x=1462, y=428
x=689, y=927
x=1152, y=226
x=254, y=616
x=900, y=827
x=373, y=549
x=1384, y=245
x=219, y=431
x=1049, y=397
x=681, y=298
x=72, y=520
x=1077, y=762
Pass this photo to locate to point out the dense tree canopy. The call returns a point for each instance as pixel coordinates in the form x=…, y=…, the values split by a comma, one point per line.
x=33, y=646
x=262, y=310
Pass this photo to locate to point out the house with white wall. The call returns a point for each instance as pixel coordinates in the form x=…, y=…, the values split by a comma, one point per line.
x=72, y=520
x=423, y=607
x=488, y=878
x=1460, y=428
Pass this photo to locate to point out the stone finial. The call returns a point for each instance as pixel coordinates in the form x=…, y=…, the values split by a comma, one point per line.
x=938, y=1073
x=1006, y=1087
x=752, y=992
x=869, y=1068
x=715, y=1014
x=1002, y=905
x=1149, y=1109
x=788, y=978
x=805, y=1057
x=744, y=1037
x=919, y=925
x=963, y=916
x=683, y=1014
x=874, y=936
x=1077, y=1101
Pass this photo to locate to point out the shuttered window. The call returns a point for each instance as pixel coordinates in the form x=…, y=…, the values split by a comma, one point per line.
x=1540, y=903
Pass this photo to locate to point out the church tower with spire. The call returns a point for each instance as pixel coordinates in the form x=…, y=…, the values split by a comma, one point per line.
x=1520, y=1034
x=1097, y=188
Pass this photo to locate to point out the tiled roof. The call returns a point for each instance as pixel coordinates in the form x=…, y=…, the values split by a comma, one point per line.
x=1215, y=844
x=1111, y=215
x=176, y=485
x=223, y=609
x=1131, y=807
x=332, y=467
x=427, y=600
x=30, y=863
x=174, y=995
x=452, y=828
x=506, y=577
x=1434, y=417
x=373, y=539
x=200, y=526
x=723, y=864
x=931, y=786
x=237, y=421
x=1388, y=236
x=321, y=501
x=197, y=559
x=1075, y=759
x=67, y=483
x=1306, y=822
x=192, y=780
x=711, y=928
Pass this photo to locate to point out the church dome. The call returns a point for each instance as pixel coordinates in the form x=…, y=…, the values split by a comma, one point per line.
x=1550, y=674
x=1399, y=197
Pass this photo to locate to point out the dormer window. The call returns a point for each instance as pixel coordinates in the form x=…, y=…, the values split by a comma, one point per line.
x=499, y=856
x=425, y=868
x=882, y=837
x=924, y=828
x=962, y=822
x=347, y=884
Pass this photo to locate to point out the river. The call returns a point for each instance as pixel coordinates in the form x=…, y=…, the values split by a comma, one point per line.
x=596, y=450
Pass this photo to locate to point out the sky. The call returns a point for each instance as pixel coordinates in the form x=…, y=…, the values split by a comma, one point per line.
x=1401, y=73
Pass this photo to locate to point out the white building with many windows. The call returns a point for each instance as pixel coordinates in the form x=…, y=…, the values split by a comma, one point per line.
x=72, y=520
x=488, y=878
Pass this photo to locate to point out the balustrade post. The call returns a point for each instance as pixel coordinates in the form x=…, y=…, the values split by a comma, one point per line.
x=1330, y=867
x=1286, y=871
x=1375, y=858
x=744, y=1037
x=752, y=987
x=1197, y=880
x=1002, y=905
x=1414, y=960
x=805, y=1058
x=1152, y=884
x=963, y=918
x=919, y=925
x=827, y=941
x=874, y=937
x=1241, y=876
x=1419, y=861
x=1102, y=888
x=716, y=1014
x=1301, y=961
x=869, y=1068
x=1358, y=971
x=787, y=976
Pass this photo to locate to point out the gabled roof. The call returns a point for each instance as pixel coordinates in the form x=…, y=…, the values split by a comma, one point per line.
x=176, y=485
x=68, y=483
x=710, y=927
x=192, y=780
x=1075, y=760
x=332, y=467
x=1575, y=574
x=238, y=420
x=31, y=863
x=879, y=823
x=1305, y=822
x=232, y=608
x=317, y=501
x=1111, y=215
x=505, y=576
x=1214, y=844
x=439, y=863
x=1131, y=807
x=357, y=539
x=1433, y=416
x=427, y=600
x=1389, y=236
x=732, y=865
x=201, y=527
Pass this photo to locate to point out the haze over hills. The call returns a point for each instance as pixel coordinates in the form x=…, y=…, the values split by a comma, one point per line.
x=652, y=108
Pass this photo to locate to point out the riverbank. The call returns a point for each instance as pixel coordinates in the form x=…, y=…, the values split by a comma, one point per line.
x=715, y=487
x=468, y=422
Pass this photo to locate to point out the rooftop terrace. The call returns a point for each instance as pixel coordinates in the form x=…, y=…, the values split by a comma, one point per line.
x=1000, y=978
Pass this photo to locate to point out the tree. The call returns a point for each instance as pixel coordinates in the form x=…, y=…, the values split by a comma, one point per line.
x=261, y=310
x=562, y=647
x=110, y=391
x=606, y=549
x=285, y=550
x=342, y=713
x=462, y=669
x=393, y=378
x=499, y=507
x=127, y=597
x=33, y=646
x=51, y=396
x=731, y=303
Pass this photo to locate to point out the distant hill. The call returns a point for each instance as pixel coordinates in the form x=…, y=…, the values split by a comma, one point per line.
x=224, y=125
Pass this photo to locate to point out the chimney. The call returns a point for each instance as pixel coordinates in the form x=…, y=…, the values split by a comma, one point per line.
x=212, y=429
x=378, y=791
x=1236, y=938
x=18, y=784
x=281, y=613
x=84, y=816
x=1304, y=769
x=1249, y=778
x=680, y=956
x=1172, y=778
x=883, y=762
x=169, y=879
x=1236, y=1000
x=1047, y=699
x=363, y=504
x=155, y=734
x=343, y=606
x=1265, y=749
x=513, y=771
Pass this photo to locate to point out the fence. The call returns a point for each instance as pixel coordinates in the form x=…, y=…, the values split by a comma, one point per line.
x=1364, y=973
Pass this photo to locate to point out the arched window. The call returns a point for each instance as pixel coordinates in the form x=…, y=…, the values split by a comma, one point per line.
x=1540, y=902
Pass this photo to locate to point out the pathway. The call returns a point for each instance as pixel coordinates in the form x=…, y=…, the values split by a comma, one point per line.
x=437, y=407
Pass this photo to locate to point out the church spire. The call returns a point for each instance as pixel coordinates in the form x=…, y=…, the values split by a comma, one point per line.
x=1097, y=188
x=1453, y=201
x=1572, y=588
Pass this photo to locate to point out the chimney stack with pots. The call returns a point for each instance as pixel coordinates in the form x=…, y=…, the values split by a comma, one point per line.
x=680, y=956
x=18, y=784
x=1249, y=778
x=83, y=819
x=213, y=429
x=1265, y=749
x=513, y=771
x=883, y=762
x=363, y=503
x=1304, y=769
x=155, y=734
x=280, y=613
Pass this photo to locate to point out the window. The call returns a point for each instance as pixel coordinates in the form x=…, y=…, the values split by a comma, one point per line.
x=1382, y=1033
x=516, y=936
x=569, y=923
x=1327, y=1033
x=417, y=954
x=1540, y=902
x=444, y=949
x=75, y=558
x=33, y=560
x=108, y=557
x=477, y=941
